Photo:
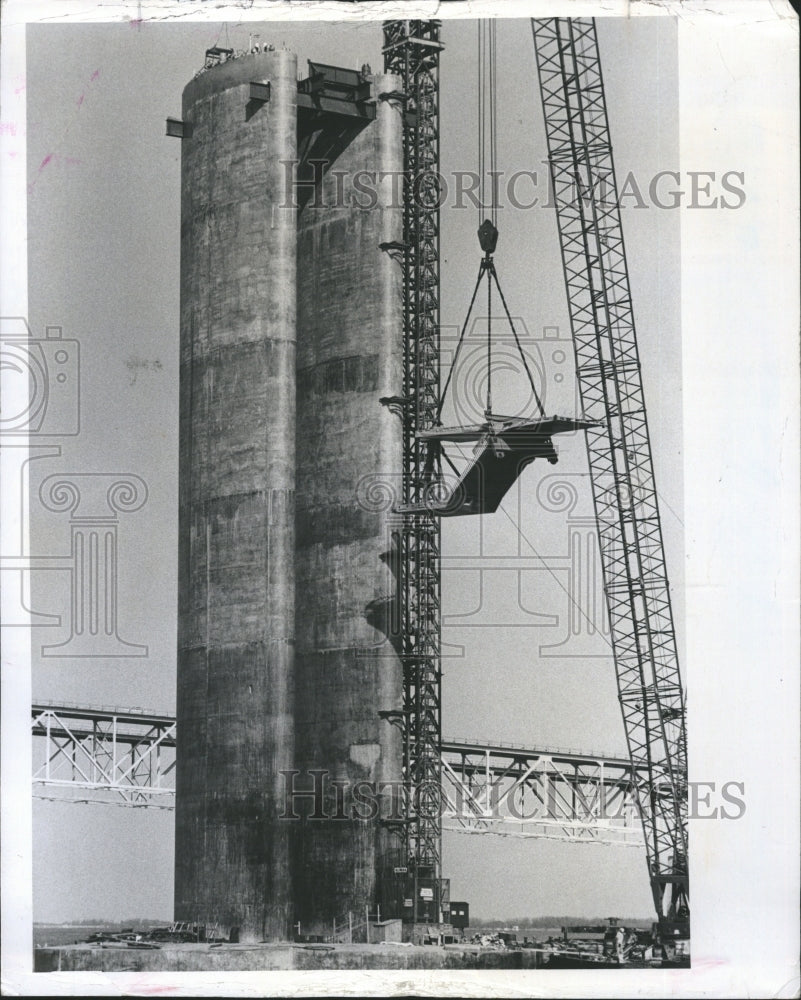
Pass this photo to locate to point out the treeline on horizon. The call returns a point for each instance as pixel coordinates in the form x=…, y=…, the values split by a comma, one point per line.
x=556, y=921
x=104, y=922
x=475, y=922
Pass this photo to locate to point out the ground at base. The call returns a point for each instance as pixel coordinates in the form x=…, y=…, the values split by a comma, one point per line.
x=278, y=957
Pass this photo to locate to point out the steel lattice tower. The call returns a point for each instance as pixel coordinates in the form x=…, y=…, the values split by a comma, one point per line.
x=411, y=52
x=621, y=468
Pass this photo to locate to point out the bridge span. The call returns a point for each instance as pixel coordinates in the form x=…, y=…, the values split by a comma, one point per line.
x=126, y=756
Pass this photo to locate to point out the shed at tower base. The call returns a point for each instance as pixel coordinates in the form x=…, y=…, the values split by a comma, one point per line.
x=291, y=332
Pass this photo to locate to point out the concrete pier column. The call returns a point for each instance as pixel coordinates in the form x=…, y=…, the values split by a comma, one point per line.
x=237, y=508
x=350, y=336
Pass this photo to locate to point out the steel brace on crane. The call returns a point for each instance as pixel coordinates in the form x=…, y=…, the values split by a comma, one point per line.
x=621, y=468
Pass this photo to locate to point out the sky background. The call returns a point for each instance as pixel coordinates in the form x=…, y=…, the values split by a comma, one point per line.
x=104, y=227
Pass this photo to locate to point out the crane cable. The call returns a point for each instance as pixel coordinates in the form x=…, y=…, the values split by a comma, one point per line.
x=487, y=149
x=487, y=120
x=487, y=200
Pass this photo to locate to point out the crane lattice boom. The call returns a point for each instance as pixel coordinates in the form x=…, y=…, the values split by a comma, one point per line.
x=621, y=468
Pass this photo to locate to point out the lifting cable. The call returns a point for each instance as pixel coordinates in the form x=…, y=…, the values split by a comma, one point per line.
x=488, y=208
x=487, y=146
x=487, y=120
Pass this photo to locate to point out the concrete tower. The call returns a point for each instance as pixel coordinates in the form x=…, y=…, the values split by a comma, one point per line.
x=237, y=481
x=350, y=336
x=262, y=691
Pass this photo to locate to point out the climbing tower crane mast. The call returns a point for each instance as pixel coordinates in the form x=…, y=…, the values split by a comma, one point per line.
x=411, y=52
x=618, y=447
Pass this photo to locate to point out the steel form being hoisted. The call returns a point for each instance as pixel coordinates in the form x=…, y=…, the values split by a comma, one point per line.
x=411, y=51
x=621, y=468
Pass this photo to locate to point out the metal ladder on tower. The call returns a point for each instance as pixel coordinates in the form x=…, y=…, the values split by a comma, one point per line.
x=618, y=447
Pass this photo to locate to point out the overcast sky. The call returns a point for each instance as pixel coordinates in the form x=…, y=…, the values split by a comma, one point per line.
x=104, y=227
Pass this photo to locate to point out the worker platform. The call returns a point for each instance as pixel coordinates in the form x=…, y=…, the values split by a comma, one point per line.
x=504, y=447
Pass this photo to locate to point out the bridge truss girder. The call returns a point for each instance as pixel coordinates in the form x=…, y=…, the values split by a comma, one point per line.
x=98, y=755
x=556, y=795
x=127, y=758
